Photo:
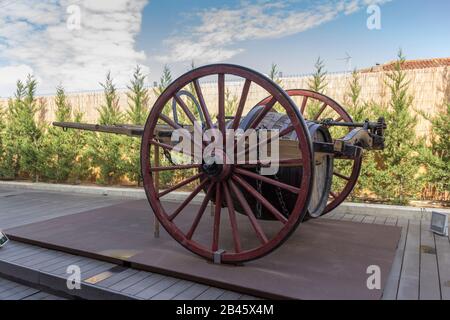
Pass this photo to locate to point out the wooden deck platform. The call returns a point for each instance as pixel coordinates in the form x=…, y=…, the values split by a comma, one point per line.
x=47, y=268
x=10, y=290
x=421, y=268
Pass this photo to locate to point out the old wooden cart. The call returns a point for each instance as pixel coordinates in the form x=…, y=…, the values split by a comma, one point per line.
x=311, y=137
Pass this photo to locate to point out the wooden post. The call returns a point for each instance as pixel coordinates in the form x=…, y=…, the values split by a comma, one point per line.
x=156, y=173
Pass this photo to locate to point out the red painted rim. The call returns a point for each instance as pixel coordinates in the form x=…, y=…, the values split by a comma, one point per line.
x=338, y=196
x=305, y=145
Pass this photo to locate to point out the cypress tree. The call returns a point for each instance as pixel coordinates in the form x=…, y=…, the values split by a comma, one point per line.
x=317, y=83
x=137, y=113
x=398, y=164
x=106, y=150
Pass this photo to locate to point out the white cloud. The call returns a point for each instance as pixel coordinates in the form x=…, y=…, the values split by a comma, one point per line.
x=9, y=76
x=36, y=34
x=221, y=31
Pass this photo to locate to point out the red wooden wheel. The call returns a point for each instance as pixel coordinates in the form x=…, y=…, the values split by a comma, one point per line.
x=234, y=237
x=315, y=106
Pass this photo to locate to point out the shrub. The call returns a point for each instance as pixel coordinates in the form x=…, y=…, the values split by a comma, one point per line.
x=106, y=150
x=60, y=153
x=137, y=113
x=398, y=164
x=21, y=135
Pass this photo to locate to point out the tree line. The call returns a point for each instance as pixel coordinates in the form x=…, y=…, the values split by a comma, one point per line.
x=409, y=167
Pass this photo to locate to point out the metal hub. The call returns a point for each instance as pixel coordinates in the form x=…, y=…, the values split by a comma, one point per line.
x=212, y=170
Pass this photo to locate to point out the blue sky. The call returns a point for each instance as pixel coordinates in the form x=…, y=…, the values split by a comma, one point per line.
x=118, y=34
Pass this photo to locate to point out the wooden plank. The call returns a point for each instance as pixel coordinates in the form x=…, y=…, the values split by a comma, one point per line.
x=8, y=251
x=61, y=258
x=391, y=221
x=409, y=279
x=348, y=217
x=25, y=254
x=96, y=271
x=380, y=220
x=338, y=216
x=52, y=297
x=329, y=215
x=443, y=258
x=117, y=277
x=368, y=219
x=157, y=288
x=192, y=292
x=429, y=274
x=247, y=297
x=22, y=294
x=16, y=289
x=9, y=285
x=210, y=294
x=84, y=264
x=143, y=284
x=37, y=258
x=229, y=295
x=56, y=266
x=391, y=288
x=37, y=296
x=128, y=282
x=358, y=218
x=173, y=290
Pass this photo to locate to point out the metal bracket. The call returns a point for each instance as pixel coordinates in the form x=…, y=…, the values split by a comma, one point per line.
x=218, y=256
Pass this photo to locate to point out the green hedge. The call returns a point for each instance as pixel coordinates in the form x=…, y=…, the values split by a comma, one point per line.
x=31, y=149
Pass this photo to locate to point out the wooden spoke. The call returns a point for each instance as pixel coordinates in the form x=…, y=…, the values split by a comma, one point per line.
x=334, y=195
x=320, y=111
x=175, y=125
x=168, y=147
x=258, y=119
x=277, y=214
x=162, y=145
x=286, y=131
x=263, y=113
x=248, y=211
x=178, y=167
x=201, y=100
x=221, y=108
x=189, y=115
x=185, y=109
x=201, y=211
x=240, y=109
x=337, y=174
x=218, y=208
x=303, y=107
x=339, y=119
x=233, y=221
x=181, y=184
x=267, y=180
x=170, y=122
x=188, y=200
